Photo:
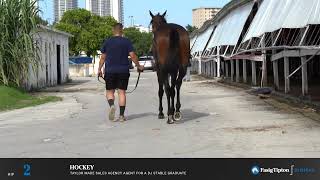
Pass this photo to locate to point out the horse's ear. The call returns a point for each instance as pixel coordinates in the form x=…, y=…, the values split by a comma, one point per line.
x=164, y=14
x=151, y=14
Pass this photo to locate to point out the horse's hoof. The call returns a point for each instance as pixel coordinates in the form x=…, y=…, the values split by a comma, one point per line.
x=161, y=116
x=177, y=116
x=170, y=120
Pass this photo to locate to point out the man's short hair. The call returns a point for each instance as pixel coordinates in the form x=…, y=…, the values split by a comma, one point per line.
x=118, y=26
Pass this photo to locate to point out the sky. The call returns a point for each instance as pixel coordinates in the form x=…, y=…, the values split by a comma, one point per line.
x=178, y=11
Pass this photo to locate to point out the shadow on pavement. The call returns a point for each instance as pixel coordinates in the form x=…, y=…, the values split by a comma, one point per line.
x=137, y=116
x=189, y=115
x=77, y=82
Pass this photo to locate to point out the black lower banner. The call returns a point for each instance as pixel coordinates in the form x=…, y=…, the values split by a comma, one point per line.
x=160, y=169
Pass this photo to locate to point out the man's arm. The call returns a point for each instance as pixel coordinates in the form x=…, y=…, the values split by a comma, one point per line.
x=101, y=63
x=135, y=59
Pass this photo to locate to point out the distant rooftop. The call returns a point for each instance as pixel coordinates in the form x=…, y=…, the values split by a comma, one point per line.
x=206, y=8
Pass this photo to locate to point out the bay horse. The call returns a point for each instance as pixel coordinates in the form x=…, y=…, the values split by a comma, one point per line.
x=171, y=51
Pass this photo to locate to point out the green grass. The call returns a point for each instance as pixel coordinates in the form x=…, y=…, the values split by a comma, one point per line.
x=12, y=98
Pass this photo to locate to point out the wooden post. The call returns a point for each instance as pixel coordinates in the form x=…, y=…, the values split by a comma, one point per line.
x=232, y=70
x=286, y=74
x=276, y=74
x=304, y=76
x=254, y=73
x=237, y=71
x=244, y=70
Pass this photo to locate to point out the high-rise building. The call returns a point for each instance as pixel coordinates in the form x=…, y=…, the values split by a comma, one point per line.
x=201, y=15
x=112, y=8
x=117, y=10
x=99, y=7
x=61, y=6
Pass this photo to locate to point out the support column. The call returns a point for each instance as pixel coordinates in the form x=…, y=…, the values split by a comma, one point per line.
x=264, y=81
x=206, y=66
x=264, y=72
x=244, y=70
x=212, y=74
x=222, y=68
x=199, y=70
x=276, y=74
x=232, y=70
x=226, y=65
x=254, y=73
x=237, y=71
x=214, y=68
x=218, y=62
x=286, y=74
x=304, y=76
x=209, y=68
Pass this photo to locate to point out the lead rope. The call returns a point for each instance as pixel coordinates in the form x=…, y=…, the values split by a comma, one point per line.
x=135, y=85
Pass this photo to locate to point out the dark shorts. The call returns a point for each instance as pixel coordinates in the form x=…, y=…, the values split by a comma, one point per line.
x=117, y=81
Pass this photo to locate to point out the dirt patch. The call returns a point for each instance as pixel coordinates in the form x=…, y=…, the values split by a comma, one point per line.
x=255, y=128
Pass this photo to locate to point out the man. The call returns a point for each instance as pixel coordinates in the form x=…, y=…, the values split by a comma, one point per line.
x=115, y=51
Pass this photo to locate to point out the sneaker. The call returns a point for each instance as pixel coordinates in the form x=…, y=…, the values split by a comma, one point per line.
x=122, y=119
x=112, y=112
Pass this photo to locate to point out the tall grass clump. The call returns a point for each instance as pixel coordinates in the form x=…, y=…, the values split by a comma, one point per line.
x=19, y=53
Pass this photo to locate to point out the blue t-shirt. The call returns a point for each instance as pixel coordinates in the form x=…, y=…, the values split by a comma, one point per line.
x=117, y=49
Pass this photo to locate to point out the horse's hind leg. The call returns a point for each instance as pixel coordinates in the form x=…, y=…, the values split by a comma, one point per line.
x=160, y=94
x=168, y=94
x=172, y=92
x=182, y=73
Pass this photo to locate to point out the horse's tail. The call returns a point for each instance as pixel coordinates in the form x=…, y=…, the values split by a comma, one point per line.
x=173, y=56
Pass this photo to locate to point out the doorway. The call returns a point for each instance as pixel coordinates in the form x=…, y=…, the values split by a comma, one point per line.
x=59, y=64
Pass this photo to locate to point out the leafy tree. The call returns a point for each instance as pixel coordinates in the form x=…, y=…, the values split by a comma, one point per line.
x=140, y=40
x=190, y=28
x=41, y=21
x=89, y=30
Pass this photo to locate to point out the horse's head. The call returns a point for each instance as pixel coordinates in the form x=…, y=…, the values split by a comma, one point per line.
x=157, y=20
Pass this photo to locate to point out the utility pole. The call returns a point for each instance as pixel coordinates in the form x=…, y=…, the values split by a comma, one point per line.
x=132, y=21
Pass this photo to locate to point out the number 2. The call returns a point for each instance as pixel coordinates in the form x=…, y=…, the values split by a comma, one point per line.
x=27, y=169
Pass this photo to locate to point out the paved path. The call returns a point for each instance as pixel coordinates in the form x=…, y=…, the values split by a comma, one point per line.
x=217, y=122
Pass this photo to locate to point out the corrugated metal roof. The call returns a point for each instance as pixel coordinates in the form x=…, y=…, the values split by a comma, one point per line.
x=276, y=14
x=230, y=27
x=202, y=40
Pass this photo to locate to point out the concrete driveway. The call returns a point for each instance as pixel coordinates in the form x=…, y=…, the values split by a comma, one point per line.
x=217, y=122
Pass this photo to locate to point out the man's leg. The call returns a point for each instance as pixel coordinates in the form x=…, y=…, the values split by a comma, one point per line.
x=123, y=85
x=110, y=98
x=122, y=101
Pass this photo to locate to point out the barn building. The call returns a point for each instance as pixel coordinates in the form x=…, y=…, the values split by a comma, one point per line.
x=267, y=43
